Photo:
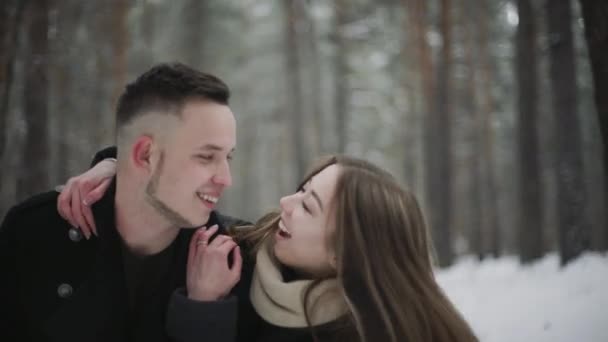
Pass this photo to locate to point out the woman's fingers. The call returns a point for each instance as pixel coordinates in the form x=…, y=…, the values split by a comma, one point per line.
x=224, y=249
x=73, y=210
x=97, y=193
x=90, y=197
x=73, y=203
x=226, y=246
x=234, y=271
x=237, y=264
x=219, y=240
x=77, y=213
x=193, y=245
x=203, y=239
x=88, y=217
x=63, y=204
x=209, y=275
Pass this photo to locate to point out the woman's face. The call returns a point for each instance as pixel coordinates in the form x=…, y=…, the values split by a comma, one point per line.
x=307, y=218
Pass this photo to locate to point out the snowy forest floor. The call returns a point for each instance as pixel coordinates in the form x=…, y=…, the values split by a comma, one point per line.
x=504, y=301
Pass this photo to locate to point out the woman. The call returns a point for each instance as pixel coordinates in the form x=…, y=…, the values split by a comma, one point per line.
x=348, y=257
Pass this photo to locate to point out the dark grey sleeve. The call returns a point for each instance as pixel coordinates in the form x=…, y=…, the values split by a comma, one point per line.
x=194, y=321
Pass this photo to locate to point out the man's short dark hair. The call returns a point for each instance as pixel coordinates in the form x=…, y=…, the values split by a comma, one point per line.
x=166, y=87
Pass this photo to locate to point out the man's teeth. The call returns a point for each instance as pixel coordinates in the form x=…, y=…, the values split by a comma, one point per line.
x=209, y=198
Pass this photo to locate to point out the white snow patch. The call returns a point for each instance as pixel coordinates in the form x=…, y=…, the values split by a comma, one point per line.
x=504, y=301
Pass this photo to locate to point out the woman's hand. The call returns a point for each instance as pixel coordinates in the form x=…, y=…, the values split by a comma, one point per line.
x=209, y=275
x=81, y=191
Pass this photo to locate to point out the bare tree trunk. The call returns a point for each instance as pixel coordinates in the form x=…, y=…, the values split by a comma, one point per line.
x=438, y=140
x=11, y=18
x=64, y=73
x=417, y=15
x=595, y=16
x=194, y=17
x=120, y=43
x=112, y=70
x=487, y=106
x=441, y=173
x=148, y=21
x=573, y=227
x=470, y=104
x=11, y=13
x=341, y=74
x=35, y=176
x=294, y=84
x=411, y=81
x=436, y=123
x=531, y=222
x=312, y=53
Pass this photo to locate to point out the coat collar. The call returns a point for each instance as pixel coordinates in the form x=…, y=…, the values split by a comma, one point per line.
x=99, y=305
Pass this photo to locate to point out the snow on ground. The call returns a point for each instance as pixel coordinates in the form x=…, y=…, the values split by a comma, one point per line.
x=506, y=302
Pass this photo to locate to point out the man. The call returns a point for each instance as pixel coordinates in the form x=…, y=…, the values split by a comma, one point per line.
x=175, y=138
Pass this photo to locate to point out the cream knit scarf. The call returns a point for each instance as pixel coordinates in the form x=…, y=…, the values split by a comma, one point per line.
x=281, y=303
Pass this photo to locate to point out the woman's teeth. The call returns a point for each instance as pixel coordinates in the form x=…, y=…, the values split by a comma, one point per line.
x=283, y=231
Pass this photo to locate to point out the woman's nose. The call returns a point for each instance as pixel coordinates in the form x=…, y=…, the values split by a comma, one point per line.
x=286, y=203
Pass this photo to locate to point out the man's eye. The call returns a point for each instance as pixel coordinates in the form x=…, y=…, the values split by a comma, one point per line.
x=204, y=157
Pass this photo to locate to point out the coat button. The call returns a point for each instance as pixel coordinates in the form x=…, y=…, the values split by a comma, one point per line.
x=65, y=290
x=75, y=234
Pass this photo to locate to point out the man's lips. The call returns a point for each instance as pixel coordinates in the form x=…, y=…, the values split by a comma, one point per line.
x=209, y=199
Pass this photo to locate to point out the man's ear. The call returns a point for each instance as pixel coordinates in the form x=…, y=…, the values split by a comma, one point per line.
x=141, y=152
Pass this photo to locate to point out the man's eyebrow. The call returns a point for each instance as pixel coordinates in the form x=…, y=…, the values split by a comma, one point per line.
x=213, y=147
x=316, y=196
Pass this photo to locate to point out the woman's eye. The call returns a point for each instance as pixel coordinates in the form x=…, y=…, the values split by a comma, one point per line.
x=305, y=207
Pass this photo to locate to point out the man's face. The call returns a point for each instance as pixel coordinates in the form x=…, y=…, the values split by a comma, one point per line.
x=193, y=167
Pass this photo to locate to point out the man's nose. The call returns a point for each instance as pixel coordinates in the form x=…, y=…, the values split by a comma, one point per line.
x=222, y=175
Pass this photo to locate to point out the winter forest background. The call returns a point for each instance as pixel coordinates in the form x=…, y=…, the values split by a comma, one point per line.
x=488, y=109
x=494, y=112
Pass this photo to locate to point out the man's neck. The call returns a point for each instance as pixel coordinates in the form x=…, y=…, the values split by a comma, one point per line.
x=140, y=227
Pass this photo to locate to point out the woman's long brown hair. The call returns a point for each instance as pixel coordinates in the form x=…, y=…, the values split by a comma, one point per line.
x=383, y=253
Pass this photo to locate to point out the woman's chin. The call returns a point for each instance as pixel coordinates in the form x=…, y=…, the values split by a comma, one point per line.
x=277, y=251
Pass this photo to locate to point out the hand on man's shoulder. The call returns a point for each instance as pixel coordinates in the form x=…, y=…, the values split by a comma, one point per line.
x=36, y=223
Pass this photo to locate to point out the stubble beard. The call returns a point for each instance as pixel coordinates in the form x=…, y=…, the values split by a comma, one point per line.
x=174, y=218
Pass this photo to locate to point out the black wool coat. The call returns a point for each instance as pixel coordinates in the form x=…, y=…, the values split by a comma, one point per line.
x=57, y=286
